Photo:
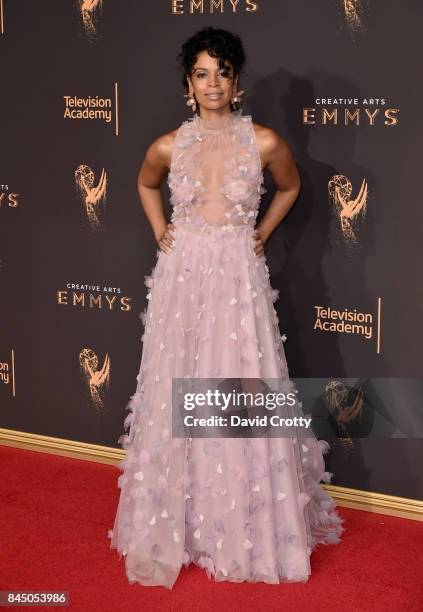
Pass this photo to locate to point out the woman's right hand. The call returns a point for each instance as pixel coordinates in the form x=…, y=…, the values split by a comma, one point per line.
x=165, y=241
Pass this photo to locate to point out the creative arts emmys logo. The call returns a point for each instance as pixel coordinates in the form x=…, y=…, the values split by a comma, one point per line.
x=8, y=198
x=199, y=7
x=349, y=209
x=93, y=196
x=357, y=112
x=90, y=13
x=96, y=379
x=7, y=373
x=93, y=296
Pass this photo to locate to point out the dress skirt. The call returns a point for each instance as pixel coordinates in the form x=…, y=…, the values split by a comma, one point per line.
x=244, y=509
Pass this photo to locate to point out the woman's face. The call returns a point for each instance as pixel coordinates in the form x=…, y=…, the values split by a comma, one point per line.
x=213, y=86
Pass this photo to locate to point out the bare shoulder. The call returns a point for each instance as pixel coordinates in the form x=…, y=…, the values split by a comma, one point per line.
x=269, y=142
x=160, y=151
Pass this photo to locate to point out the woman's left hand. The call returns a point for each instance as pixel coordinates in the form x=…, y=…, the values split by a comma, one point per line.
x=259, y=244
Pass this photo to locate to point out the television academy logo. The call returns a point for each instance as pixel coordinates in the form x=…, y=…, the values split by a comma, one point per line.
x=90, y=10
x=96, y=379
x=7, y=373
x=350, y=322
x=93, y=108
x=349, y=210
x=93, y=196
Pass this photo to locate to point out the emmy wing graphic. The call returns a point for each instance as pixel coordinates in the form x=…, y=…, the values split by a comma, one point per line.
x=90, y=10
x=336, y=395
x=95, y=378
x=92, y=195
x=349, y=210
x=352, y=11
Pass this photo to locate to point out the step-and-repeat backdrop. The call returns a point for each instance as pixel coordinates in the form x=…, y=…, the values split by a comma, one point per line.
x=86, y=86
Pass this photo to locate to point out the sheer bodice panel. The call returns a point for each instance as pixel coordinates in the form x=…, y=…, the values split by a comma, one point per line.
x=216, y=176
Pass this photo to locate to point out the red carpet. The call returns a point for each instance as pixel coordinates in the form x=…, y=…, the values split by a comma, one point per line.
x=56, y=511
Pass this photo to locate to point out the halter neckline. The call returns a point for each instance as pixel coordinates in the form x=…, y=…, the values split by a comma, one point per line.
x=220, y=123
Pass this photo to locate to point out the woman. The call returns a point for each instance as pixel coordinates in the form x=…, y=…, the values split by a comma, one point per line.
x=243, y=509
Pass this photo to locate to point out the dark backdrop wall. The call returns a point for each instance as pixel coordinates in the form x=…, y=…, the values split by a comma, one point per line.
x=84, y=92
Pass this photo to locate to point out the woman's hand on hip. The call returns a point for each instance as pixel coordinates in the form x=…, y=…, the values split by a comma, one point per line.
x=166, y=240
x=259, y=244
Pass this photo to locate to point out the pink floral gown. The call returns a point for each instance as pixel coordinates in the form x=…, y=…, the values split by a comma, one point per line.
x=243, y=509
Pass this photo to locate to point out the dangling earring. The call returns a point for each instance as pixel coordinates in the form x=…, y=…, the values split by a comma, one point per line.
x=236, y=99
x=191, y=101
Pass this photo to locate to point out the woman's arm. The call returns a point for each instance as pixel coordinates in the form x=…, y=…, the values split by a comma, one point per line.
x=153, y=170
x=277, y=157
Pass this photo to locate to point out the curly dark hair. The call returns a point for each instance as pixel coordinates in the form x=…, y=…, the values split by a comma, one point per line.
x=221, y=44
